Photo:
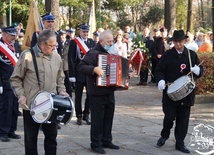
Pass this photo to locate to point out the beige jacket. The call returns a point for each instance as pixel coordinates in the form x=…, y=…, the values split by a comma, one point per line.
x=24, y=81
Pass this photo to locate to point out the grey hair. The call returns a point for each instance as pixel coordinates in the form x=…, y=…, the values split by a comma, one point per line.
x=104, y=33
x=45, y=35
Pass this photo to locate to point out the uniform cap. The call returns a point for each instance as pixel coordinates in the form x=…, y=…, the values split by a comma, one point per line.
x=84, y=27
x=48, y=17
x=10, y=30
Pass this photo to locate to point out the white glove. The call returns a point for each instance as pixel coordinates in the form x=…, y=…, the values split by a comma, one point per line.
x=161, y=85
x=1, y=90
x=72, y=79
x=195, y=70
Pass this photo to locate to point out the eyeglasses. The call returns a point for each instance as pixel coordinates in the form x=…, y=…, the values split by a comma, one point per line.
x=51, y=46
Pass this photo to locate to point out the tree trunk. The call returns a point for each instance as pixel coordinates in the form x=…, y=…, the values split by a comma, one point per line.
x=213, y=19
x=55, y=12
x=202, y=14
x=47, y=5
x=189, y=15
x=169, y=14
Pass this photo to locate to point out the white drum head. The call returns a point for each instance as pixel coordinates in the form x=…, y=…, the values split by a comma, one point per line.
x=177, y=84
x=42, y=107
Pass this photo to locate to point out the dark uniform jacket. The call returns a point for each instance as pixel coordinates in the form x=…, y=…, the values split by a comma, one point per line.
x=86, y=67
x=6, y=67
x=169, y=69
x=74, y=56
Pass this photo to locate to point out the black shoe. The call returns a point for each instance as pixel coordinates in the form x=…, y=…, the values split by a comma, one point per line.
x=182, y=149
x=87, y=119
x=4, y=138
x=111, y=146
x=79, y=121
x=99, y=150
x=161, y=141
x=14, y=136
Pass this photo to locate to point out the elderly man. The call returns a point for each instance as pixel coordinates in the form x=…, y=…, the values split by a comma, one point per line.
x=102, y=99
x=26, y=86
x=77, y=50
x=8, y=101
x=175, y=63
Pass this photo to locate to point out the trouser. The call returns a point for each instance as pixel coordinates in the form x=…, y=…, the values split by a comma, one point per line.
x=78, y=100
x=31, y=130
x=8, y=112
x=102, y=113
x=68, y=84
x=144, y=75
x=153, y=79
x=181, y=116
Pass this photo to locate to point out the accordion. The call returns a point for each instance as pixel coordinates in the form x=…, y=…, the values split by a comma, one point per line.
x=116, y=71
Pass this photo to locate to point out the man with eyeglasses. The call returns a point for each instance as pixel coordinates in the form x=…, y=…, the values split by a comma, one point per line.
x=25, y=85
x=77, y=49
x=8, y=101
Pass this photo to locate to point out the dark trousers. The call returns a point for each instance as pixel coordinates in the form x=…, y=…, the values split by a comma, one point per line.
x=68, y=84
x=144, y=75
x=31, y=130
x=78, y=100
x=102, y=113
x=8, y=112
x=181, y=116
x=153, y=79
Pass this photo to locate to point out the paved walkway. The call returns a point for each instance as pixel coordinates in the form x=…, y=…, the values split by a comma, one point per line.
x=136, y=129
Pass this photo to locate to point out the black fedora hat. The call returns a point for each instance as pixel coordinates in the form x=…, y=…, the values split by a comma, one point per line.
x=178, y=35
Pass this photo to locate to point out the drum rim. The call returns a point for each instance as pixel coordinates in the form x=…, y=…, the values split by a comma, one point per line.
x=51, y=110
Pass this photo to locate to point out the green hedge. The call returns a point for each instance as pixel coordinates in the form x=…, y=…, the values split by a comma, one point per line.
x=205, y=84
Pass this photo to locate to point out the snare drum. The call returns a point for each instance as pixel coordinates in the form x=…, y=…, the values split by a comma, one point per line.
x=48, y=108
x=180, y=88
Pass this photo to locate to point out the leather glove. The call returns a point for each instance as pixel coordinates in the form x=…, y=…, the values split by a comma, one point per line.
x=72, y=79
x=195, y=70
x=161, y=85
x=1, y=90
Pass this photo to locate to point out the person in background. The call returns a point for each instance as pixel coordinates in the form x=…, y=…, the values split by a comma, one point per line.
x=64, y=55
x=199, y=39
x=8, y=101
x=70, y=33
x=48, y=23
x=190, y=43
x=102, y=99
x=119, y=47
x=25, y=86
x=130, y=32
x=96, y=36
x=206, y=45
x=174, y=64
x=77, y=47
x=151, y=47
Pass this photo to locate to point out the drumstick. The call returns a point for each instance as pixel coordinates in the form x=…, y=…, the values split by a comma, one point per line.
x=31, y=111
x=198, y=65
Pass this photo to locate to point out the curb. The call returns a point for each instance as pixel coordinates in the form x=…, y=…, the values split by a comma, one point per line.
x=200, y=99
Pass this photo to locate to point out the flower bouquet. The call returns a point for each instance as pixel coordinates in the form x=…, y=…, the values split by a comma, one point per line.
x=139, y=57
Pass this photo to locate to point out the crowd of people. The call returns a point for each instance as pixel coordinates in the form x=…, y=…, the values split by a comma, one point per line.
x=67, y=63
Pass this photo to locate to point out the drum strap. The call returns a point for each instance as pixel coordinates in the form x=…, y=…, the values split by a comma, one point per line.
x=35, y=66
x=190, y=62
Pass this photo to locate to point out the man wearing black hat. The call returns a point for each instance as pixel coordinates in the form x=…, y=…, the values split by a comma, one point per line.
x=8, y=101
x=174, y=64
x=77, y=50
